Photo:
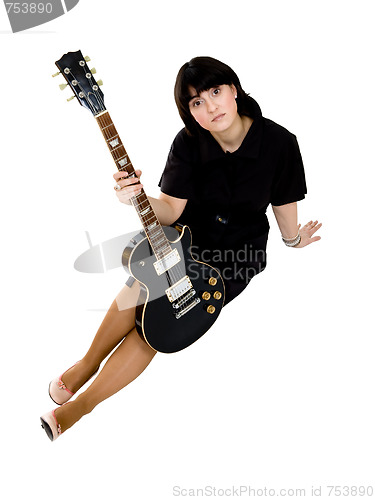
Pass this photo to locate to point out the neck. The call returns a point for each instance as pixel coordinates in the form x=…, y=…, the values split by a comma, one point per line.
x=231, y=139
x=154, y=232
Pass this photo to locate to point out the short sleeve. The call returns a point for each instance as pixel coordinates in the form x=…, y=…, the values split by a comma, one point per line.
x=177, y=177
x=289, y=183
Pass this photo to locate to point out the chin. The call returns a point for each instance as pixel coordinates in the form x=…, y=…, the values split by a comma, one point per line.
x=219, y=127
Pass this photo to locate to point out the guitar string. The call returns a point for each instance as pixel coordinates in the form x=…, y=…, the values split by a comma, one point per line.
x=138, y=205
x=170, y=273
x=171, y=277
x=173, y=274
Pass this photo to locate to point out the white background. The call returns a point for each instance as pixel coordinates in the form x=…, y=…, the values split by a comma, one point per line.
x=279, y=393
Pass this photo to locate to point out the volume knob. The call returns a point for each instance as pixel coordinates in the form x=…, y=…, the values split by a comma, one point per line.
x=212, y=281
x=206, y=295
x=217, y=295
x=210, y=309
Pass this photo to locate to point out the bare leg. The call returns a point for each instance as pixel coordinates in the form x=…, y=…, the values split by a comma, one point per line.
x=117, y=323
x=124, y=365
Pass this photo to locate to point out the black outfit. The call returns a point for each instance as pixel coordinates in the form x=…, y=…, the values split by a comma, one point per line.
x=228, y=194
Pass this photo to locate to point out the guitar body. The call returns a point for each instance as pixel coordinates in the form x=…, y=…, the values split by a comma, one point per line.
x=156, y=320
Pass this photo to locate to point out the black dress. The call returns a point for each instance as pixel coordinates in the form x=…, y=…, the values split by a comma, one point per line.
x=228, y=194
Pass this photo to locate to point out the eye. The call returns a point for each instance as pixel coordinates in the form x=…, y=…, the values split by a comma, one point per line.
x=216, y=91
x=196, y=104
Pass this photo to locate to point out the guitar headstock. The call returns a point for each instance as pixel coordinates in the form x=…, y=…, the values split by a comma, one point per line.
x=73, y=67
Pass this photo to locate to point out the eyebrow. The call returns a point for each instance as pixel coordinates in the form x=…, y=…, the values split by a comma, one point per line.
x=193, y=97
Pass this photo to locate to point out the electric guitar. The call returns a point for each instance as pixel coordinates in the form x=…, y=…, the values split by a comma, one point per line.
x=180, y=297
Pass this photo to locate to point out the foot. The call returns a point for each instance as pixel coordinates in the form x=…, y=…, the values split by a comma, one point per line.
x=62, y=388
x=51, y=425
x=74, y=378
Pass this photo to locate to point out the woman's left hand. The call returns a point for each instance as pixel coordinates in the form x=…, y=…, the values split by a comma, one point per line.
x=306, y=233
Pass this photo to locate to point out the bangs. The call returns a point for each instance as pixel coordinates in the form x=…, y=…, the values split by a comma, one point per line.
x=200, y=79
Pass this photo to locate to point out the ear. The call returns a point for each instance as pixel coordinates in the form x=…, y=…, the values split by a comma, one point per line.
x=234, y=90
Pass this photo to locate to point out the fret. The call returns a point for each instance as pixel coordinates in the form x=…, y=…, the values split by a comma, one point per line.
x=117, y=154
x=111, y=132
x=114, y=142
x=149, y=217
x=149, y=221
x=123, y=161
x=119, y=146
x=127, y=167
x=113, y=137
x=145, y=211
x=156, y=239
x=154, y=232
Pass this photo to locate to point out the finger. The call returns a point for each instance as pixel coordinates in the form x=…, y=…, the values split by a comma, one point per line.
x=316, y=238
x=128, y=182
x=312, y=240
x=120, y=175
x=307, y=225
x=315, y=228
x=129, y=193
x=129, y=188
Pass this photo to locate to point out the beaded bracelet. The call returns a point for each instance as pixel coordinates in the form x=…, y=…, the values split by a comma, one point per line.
x=292, y=242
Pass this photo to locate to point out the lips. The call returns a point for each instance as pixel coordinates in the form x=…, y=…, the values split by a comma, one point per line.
x=218, y=117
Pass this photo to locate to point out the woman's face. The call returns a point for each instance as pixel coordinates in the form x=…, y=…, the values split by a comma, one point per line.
x=215, y=109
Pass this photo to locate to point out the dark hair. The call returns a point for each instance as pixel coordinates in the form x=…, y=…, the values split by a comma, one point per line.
x=203, y=73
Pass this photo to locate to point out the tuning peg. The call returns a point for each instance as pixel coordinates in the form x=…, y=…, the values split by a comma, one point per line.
x=56, y=74
x=87, y=59
x=100, y=82
x=63, y=86
x=71, y=98
x=93, y=71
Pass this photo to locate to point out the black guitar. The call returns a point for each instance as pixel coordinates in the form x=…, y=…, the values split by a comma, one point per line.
x=180, y=297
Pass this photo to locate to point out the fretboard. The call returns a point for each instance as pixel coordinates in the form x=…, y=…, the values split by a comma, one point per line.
x=153, y=229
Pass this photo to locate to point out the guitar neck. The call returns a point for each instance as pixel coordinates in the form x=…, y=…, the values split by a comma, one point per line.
x=153, y=229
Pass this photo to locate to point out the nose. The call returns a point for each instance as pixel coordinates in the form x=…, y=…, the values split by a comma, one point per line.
x=211, y=105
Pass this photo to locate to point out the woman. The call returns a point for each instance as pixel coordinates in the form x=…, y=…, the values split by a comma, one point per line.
x=223, y=170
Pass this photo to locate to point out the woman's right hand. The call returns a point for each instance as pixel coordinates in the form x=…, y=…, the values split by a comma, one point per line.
x=129, y=187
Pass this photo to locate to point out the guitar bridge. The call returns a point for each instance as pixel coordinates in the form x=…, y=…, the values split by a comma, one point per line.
x=189, y=304
x=181, y=295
